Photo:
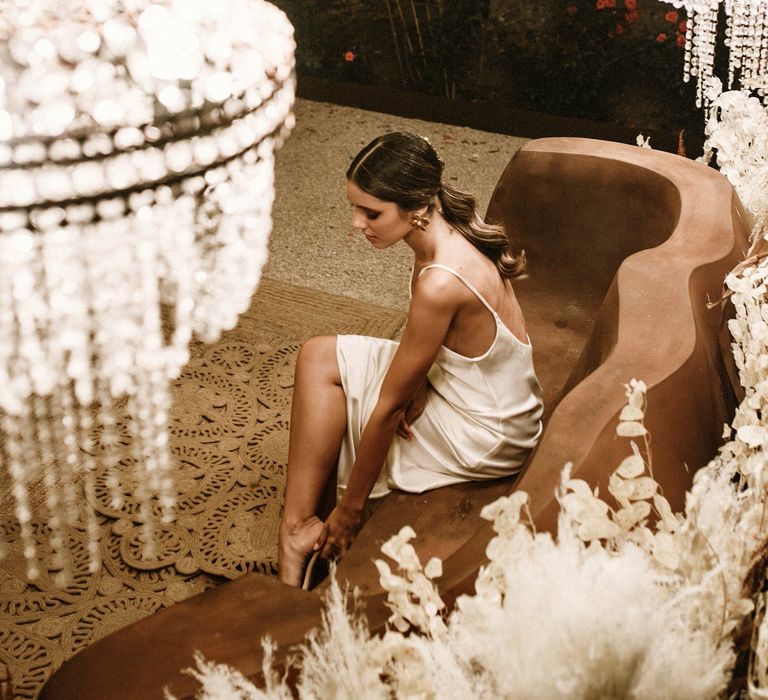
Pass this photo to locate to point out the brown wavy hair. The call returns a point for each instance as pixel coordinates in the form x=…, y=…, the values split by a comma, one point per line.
x=406, y=169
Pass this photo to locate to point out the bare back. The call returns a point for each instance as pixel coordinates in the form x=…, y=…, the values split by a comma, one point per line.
x=473, y=328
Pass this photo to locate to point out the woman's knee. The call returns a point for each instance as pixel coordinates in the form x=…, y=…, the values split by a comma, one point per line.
x=318, y=354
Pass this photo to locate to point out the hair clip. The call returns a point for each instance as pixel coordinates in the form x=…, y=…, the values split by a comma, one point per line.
x=434, y=150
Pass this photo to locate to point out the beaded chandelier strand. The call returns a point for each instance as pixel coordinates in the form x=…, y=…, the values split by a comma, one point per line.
x=746, y=38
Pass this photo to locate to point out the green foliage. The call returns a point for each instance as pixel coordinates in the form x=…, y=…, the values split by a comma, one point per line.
x=604, y=60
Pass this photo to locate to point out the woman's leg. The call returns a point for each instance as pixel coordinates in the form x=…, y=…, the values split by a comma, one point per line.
x=318, y=424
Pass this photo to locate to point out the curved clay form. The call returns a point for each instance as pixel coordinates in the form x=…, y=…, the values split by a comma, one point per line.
x=625, y=247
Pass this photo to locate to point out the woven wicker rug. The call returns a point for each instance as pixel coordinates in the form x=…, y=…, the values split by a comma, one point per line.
x=229, y=440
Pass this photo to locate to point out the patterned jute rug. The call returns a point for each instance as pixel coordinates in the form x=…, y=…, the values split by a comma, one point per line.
x=229, y=441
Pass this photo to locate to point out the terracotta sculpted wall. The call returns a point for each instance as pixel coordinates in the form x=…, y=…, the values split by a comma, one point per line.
x=665, y=231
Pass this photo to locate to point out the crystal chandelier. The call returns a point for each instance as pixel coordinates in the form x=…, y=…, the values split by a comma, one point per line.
x=137, y=145
x=746, y=38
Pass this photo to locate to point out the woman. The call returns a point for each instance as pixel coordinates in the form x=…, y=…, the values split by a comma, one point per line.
x=456, y=399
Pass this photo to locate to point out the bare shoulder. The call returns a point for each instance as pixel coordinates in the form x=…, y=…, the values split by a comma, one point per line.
x=434, y=304
x=440, y=287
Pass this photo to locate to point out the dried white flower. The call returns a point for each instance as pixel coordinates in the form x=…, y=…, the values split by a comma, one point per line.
x=631, y=429
x=413, y=598
x=643, y=141
x=631, y=466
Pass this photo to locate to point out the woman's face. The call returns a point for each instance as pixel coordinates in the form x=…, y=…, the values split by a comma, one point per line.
x=382, y=223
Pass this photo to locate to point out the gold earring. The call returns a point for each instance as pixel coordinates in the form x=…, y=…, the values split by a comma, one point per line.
x=419, y=221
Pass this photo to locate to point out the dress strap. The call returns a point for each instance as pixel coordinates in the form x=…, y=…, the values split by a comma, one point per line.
x=471, y=286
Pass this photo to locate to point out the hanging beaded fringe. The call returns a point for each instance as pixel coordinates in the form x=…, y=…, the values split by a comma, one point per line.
x=50, y=449
x=746, y=36
x=52, y=446
x=80, y=324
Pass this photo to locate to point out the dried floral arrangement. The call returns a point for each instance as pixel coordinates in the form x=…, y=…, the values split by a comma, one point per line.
x=630, y=600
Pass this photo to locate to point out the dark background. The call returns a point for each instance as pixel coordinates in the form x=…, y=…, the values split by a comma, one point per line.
x=603, y=68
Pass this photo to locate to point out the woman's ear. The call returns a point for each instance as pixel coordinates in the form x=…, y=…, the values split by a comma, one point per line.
x=409, y=214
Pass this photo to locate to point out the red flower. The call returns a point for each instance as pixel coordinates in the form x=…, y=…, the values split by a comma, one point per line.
x=671, y=16
x=681, y=40
x=571, y=9
x=600, y=4
x=630, y=4
x=661, y=37
x=682, y=26
x=619, y=28
x=631, y=16
x=349, y=56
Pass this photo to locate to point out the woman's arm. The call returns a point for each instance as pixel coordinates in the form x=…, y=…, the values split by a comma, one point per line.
x=413, y=410
x=434, y=304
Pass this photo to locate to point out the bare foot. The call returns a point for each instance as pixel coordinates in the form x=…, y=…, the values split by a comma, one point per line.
x=294, y=546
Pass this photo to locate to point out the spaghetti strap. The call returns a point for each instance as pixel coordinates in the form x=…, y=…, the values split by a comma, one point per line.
x=469, y=285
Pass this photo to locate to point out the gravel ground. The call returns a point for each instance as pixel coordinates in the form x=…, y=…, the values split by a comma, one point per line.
x=313, y=243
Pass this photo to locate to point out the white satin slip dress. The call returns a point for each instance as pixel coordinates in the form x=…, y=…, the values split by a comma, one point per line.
x=481, y=419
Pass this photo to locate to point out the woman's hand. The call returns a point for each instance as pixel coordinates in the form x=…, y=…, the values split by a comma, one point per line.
x=340, y=529
x=414, y=409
